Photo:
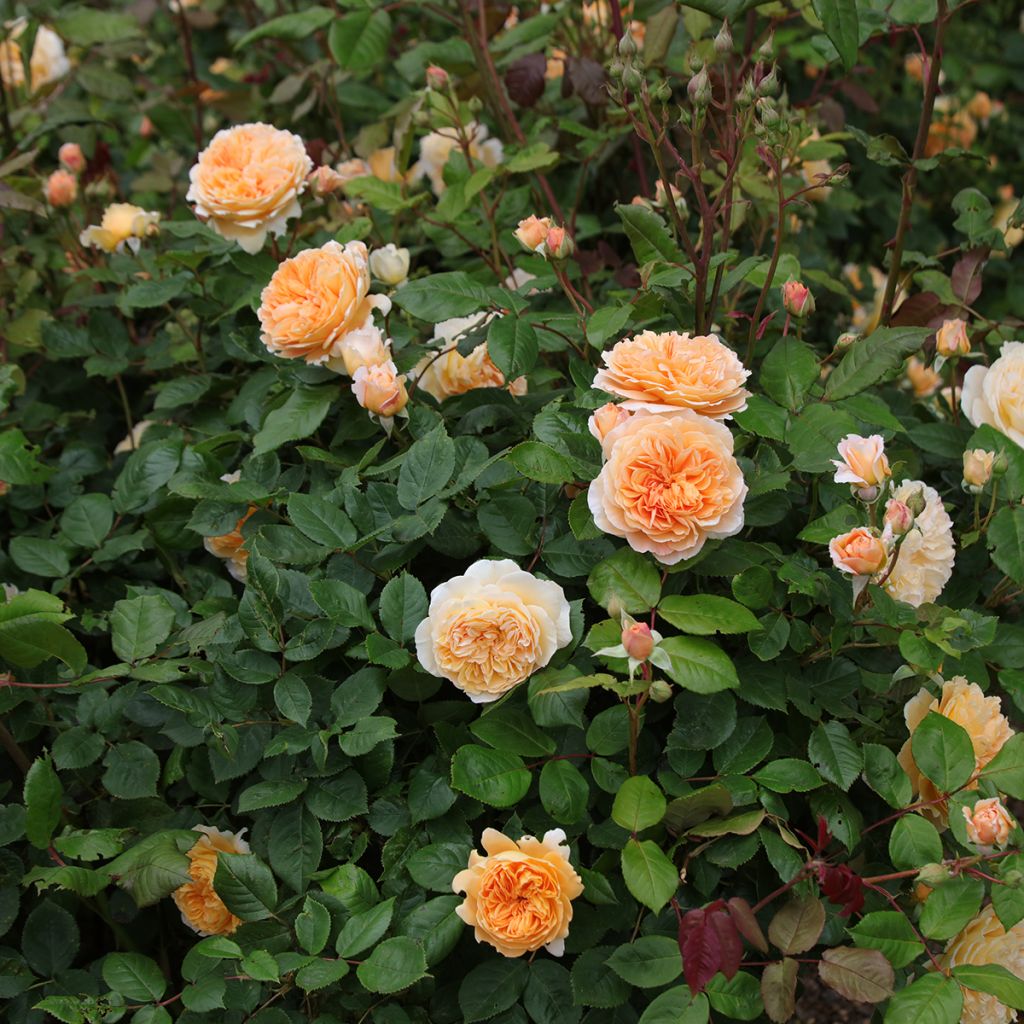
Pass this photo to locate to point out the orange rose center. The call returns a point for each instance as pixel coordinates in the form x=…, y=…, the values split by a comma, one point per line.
x=519, y=900
x=489, y=643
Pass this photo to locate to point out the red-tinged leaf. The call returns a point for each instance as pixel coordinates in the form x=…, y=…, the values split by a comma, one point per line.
x=798, y=925
x=588, y=80
x=746, y=923
x=863, y=975
x=729, y=940
x=925, y=309
x=842, y=887
x=701, y=946
x=966, y=276
x=778, y=990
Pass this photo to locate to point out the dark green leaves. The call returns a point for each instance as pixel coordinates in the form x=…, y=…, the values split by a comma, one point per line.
x=442, y=296
x=359, y=40
x=873, y=358
x=839, y=19
x=43, y=793
x=639, y=803
x=512, y=345
x=494, y=777
x=427, y=467
x=139, y=626
x=246, y=886
x=943, y=751
x=393, y=965
x=626, y=581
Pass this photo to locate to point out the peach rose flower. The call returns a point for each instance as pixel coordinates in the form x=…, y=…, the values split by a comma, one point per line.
x=951, y=339
x=519, y=896
x=315, y=300
x=231, y=546
x=201, y=908
x=492, y=628
x=362, y=348
x=61, y=189
x=669, y=483
x=978, y=465
x=666, y=371
x=923, y=379
x=988, y=823
x=859, y=552
x=925, y=558
x=965, y=704
x=451, y=374
x=122, y=227
x=862, y=461
x=532, y=233
x=984, y=940
x=995, y=394
x=380, y=390
x=247, y=182
x=607, y=418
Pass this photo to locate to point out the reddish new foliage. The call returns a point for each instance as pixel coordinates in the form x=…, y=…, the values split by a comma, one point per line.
x=842, y=887
x=709, y=942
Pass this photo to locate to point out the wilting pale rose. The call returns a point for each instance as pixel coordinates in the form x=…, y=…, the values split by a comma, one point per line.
x=519, y=896
x=965, y=704
x=317, y=298
x=12, y=63
x=133, y=440
x=984, y=940
x=246, y=183
x=923, y=379
x=924, y=561
x=492, y=628
x=390, y=264
x=61, y=189
x=324, y=180
x=71, y=157
x=675, y=371
x=380, y=389
x=859, y=552
x=201, y=908
x=436, y=148
x=49, y=62
x=451, y=374
x=988, y=823
x=862, y=461
x=951, y=339
x=607, y=418
x=995, y=394
x=669, y=483
x=122, y=227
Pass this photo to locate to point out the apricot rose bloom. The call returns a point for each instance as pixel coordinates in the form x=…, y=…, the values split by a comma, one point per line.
x=246, y=183
x=965, y=704
x=317, y=299
x=667, y=371
x=951, y=339
x=607, y=418
x=862, y=461
x=451, y=373
x=984, y=940
x=859, y=552
x=923, y=379
x=380, y=390
x=669, y=483
x=519, y=896
x=995, y=394
x=924, y=560
x=988, y=823
x=492, y=628
x=122, y=227
x=201, y=908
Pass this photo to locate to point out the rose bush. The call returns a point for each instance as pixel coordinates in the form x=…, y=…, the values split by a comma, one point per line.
x=511, y=512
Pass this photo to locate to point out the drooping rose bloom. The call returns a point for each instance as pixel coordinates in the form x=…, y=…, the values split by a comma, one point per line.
x=519, y=895
x=995, y=394
x=965, y=704
x=246, y=183
x=984, y=940
x=231, y=546
x=923, y=379
x=316, y=299
x=924, y=561
x=988, y=823
x=492, y=628
x=201, y=908
x=669, y=483
x=123, y=227
x=675, y=371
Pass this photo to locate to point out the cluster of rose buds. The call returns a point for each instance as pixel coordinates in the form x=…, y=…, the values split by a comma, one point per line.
x=62, y=184
x=541, y=235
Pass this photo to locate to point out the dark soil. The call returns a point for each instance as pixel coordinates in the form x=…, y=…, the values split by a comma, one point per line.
x=819, y=1004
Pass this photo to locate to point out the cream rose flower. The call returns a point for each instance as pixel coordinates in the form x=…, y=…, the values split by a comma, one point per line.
x=436, y=148
x=492, y=628
x=984, y=940
x=862, y=461
x=951, y=339
x=317, y=298
x=965, y=704
x=995, y=394
x=246, y=183
x=49, y=62
x=133, y=440
x=858, y=553
x=670, y=483
x=666, y=371
x=924, y=561
x=201, y=908
x=390, y=264
x=988, y=823
x=122, y=227
x=519, y=896
x=978, y=465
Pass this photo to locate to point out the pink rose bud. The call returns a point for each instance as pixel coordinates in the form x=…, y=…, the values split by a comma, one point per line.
x=951, y=339
x=61, y=189
x=146, y=127
x=797, y=299
x=988, y=823
x=638, y=641
x=71, y=157
x=898, y=517
x=606, y=419
x=559, y=244
x=859, y=552
x=437, y=78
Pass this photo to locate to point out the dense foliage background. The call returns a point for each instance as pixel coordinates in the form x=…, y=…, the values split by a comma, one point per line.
x=738, y=795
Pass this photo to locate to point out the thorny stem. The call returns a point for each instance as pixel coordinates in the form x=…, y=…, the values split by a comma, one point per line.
x=772, y=267
x=910, y=177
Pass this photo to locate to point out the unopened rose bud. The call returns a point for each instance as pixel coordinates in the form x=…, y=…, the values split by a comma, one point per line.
x=380, y=389
x=723, y=41
x=390, y=264
x=916, y=501
x=797, y=299
x=922, y=892
x=988, y=823
x=767, y=48
x=951, y=339
x=767, y=112
x=660, y=691
x=627, y=46
x=631, y=78
x=638, y=641
x=61, y=189
x=898, y=517
x=437, y=78
x=559, y=244
x=146, y=127
x=847, y=340
x=859, y=552
x=746, y=94
x=661, y=90
x=1001, y=465
x=866, y=494
x=606, y=419
x=933, y=875
x=325, y=180
x=615, y=69
x=694, y=61
x=699, y=89
x=769, y=85
x=71, y=157
x=978, y=466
